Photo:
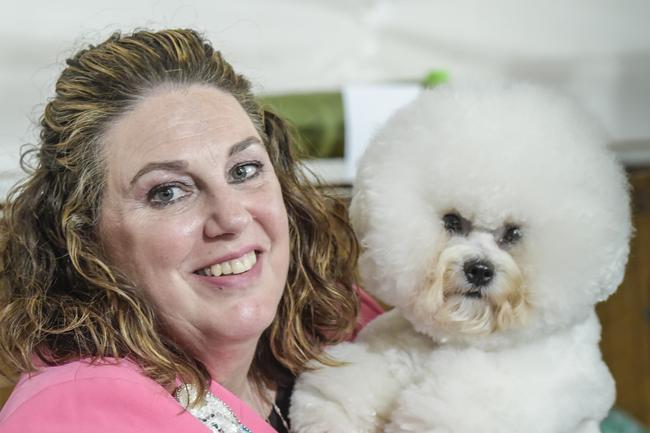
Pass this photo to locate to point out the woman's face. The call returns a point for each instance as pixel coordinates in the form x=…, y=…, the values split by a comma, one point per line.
x=193, y=214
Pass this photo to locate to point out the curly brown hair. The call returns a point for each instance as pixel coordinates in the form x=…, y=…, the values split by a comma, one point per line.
x=60, y=298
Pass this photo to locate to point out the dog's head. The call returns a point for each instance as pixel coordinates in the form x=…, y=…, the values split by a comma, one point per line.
x=491, y=214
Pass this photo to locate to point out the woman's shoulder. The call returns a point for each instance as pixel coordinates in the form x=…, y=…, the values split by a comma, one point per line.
x=81, y=396
x=74, y=374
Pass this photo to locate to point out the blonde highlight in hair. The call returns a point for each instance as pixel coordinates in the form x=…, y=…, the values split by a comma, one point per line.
x=61, y=300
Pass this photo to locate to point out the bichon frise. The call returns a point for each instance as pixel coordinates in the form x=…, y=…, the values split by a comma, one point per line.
x=493, y=219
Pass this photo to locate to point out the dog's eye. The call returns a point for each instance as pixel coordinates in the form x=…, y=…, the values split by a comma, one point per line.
x=453, y=223
x=511, y=235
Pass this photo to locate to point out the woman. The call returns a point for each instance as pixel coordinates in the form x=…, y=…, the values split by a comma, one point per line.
x=165, y=252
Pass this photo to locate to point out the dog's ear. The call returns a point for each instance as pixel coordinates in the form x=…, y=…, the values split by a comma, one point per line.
x=358, y=217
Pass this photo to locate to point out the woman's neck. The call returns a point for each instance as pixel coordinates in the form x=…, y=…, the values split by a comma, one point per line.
x=228, y=362
x=229, y=365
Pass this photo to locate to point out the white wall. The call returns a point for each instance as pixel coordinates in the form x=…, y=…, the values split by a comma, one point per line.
x=597, y=50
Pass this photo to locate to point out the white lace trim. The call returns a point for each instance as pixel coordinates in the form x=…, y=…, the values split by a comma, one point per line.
x=213, y=413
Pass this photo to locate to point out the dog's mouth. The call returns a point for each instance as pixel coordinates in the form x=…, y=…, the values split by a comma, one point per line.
x=474, y=294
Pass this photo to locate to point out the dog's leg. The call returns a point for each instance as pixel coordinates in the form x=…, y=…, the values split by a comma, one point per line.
x=360, y=395
x=352, y=398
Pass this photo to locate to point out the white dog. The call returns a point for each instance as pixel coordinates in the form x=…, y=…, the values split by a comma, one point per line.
x=493, y=219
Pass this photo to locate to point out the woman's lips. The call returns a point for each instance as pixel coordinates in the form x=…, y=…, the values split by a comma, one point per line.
x=237, y=265
x=245, y=275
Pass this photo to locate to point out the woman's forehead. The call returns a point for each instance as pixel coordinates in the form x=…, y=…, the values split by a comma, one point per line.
x=178, y=123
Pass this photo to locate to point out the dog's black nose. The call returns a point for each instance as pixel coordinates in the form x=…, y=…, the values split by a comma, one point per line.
x=479, y=272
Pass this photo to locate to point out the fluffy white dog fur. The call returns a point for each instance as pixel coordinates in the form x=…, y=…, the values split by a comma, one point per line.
x=493, y=218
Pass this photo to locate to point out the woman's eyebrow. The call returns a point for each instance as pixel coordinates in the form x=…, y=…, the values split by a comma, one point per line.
x=164, y=165
x=180, y=165
x=238, y=147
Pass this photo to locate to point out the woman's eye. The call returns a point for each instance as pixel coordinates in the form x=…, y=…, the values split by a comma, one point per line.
x=453, y=223
x=165, y=194
x=243, y=172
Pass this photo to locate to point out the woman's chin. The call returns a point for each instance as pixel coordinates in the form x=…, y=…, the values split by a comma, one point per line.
x=243, y=323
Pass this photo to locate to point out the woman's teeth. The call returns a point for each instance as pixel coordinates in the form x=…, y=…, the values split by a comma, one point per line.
x=234, y=266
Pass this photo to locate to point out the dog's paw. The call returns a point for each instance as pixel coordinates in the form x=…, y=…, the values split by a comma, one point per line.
x=351, y=398
x=313, y=410
x=311, y=414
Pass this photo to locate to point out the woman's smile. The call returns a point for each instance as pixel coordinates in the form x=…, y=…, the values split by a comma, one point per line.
x=238, y=265
x=238, y=273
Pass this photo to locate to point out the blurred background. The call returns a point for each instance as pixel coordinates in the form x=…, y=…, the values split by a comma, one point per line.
x=596, y=50
x=305, y=56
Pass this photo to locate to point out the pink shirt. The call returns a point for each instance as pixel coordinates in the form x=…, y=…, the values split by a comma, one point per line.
x=79, y=397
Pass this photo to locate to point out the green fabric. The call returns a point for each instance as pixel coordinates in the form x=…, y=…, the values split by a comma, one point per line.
x=619, y=422
x=317, y=117
x=435, y=78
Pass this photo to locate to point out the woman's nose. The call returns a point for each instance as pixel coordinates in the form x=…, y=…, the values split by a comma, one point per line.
x=226, y=216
